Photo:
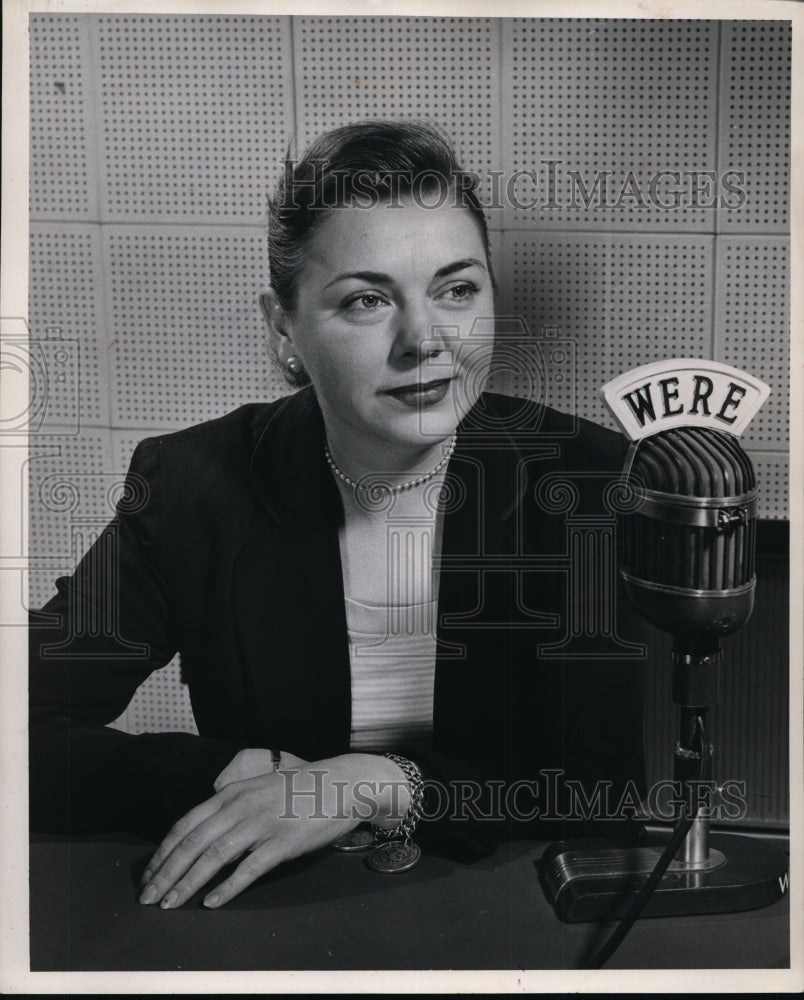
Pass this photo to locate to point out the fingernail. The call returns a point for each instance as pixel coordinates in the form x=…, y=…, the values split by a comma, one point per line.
x=149, y=895
x=170, y=899
x=212, y=900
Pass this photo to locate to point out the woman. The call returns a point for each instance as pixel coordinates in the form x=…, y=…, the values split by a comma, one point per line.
x=291, y=551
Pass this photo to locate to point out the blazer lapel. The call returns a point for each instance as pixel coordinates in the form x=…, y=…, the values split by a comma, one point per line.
x=479, y=592
x=288, y=589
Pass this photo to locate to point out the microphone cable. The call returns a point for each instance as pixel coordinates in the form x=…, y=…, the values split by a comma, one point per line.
x=682, y=829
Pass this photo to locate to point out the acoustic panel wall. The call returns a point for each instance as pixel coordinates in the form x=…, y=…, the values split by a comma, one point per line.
x=63, y=171
x=65, y=303
x=617, y=103
x=445, y=69
x=752, y=329
x=125, y=442
x=161, y=704
x=183, y=309
x=774, y=483
x=754, y=133
x=623, y=300
x=195, y=114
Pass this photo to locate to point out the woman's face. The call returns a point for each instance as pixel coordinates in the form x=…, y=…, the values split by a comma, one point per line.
x=387, y=300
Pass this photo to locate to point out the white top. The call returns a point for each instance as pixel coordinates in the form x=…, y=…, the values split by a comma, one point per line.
x=392, y=651
x=389, y=559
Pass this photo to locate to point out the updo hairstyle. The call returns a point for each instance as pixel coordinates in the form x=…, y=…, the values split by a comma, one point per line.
x=361, y=164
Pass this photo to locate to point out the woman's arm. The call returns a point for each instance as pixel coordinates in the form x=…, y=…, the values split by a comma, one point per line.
x=108, y=627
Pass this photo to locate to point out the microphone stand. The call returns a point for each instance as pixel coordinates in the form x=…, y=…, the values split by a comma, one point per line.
x=696, y=683
x=710, y=872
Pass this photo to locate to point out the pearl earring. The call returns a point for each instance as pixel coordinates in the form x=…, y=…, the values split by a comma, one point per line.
x=294, y=365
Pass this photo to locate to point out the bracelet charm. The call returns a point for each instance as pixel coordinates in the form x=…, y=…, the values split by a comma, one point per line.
x=395, y=850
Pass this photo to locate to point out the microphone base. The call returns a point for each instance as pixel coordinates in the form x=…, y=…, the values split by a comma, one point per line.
x=597, y=879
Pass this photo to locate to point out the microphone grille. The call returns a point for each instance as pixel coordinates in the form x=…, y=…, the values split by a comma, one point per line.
x=695, y=462
x=696, y=526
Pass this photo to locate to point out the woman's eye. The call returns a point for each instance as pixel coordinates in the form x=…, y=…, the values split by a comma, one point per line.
x=464, y=292
x=364, y=302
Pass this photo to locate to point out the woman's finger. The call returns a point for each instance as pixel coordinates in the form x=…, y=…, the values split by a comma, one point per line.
x=223, y=849
x=189, y=838
x=290, y=841
x=180, y=829
x=257, y=863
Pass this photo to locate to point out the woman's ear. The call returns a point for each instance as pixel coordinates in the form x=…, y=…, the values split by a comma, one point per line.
x=278, y=325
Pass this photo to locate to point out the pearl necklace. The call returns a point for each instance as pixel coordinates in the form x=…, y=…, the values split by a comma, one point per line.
x=368, y=487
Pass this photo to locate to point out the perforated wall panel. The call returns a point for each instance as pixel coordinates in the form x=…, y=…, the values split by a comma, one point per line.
x=446, y=69
x=605, y=99
x=63, y=175
x=623, y=300
x=195, y=115
x=184, y=309
x=753, y=326
x=755, y=122
x=161, y=704
x=124, y=443
x=65, y=302
x=771, y=469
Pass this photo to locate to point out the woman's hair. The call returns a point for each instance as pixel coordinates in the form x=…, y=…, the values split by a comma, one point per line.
x=362, y=164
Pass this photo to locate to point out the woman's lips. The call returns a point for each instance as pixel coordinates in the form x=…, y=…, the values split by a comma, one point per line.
x=421, y=393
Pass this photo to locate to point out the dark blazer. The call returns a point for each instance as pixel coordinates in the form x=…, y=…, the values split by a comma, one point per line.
x=225, y=549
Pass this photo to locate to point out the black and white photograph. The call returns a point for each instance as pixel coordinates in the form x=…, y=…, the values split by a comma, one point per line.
x=401, y=498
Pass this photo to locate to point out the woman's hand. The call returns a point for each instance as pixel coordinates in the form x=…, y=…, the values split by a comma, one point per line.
x=271, y=818
x=252, y=762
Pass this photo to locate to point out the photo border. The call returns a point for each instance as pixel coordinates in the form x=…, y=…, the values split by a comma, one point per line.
x=14, y=974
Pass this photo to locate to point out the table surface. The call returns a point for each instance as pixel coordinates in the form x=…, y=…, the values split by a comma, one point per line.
x=328, y=911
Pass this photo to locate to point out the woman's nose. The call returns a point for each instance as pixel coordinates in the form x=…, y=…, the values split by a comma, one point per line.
x=417, y=334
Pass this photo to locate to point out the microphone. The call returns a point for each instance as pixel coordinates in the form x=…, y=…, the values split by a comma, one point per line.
x=689, y=536
x=689, y=547
x=689, y=558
